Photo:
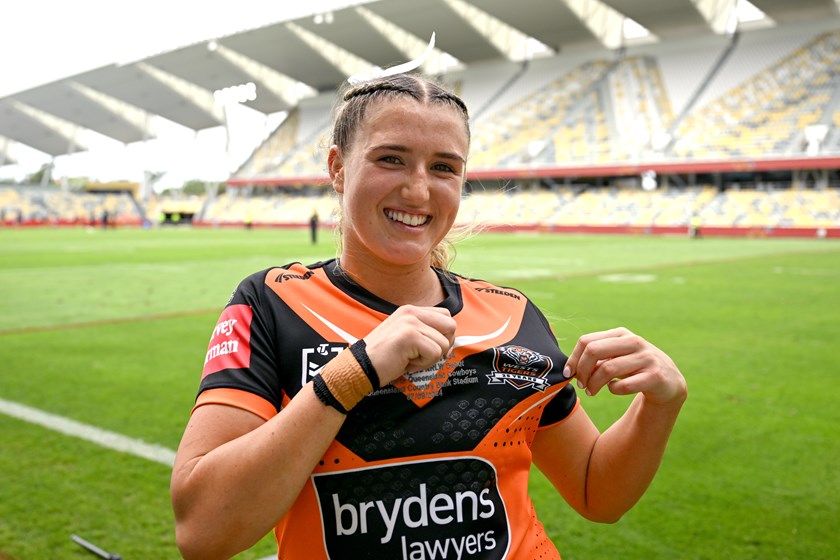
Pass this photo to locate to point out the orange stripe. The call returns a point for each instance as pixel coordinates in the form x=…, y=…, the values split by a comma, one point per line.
x=328, y=301
x=239, y=399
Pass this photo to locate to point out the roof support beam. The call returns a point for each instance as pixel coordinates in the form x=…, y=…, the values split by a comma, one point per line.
x=604, y=22
x=62, y=128
x=134, y=116
x=509, y=41
x=289, y=90
x=412, y=47
x=345, y=61
x=196, y=95
x=720, y=14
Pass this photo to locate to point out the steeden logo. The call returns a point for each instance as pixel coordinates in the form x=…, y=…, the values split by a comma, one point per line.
x=283, y=276
x=498, y=292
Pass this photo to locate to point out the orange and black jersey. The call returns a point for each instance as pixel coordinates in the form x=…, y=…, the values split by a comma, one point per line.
x=432, y=466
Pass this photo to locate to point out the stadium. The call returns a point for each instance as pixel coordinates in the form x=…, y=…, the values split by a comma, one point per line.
x=576, y=126
x=672, y=167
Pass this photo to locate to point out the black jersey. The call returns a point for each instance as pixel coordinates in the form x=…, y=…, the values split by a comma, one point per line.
x=434, y=465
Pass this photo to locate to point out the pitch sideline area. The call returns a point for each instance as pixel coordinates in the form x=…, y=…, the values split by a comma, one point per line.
x=104, y=438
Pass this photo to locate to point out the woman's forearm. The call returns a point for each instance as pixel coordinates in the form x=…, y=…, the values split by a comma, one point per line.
x=626, y=456
x=230, y=497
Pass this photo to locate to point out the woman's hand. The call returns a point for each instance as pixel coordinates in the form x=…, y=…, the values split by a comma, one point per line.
x=626, y=363
x=411, y=339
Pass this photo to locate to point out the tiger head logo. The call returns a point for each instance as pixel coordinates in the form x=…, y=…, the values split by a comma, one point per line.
x=521, y=355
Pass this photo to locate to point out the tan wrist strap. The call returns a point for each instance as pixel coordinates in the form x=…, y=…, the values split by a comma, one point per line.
x=346, y=380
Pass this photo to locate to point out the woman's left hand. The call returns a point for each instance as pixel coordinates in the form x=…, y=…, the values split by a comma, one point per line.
x=626, y=363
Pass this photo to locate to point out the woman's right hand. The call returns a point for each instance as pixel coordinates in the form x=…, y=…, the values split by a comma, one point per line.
x=411, y=339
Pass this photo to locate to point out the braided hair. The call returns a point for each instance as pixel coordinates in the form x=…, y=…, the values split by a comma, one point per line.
x=355, y=101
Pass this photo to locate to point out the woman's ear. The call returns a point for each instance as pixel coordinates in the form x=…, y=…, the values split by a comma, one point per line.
x=336, y=167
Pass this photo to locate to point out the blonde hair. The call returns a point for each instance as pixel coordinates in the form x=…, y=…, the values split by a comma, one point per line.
x=349, y=114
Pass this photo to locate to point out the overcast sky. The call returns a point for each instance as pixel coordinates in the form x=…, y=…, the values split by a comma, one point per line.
x=46, y=40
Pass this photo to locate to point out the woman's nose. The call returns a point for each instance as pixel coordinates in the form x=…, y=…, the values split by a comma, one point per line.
x=416, y=187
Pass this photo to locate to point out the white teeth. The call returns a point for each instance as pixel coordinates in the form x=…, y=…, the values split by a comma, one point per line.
x=407, y=219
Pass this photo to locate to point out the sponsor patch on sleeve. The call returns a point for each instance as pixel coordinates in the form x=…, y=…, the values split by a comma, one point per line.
x=230, y=345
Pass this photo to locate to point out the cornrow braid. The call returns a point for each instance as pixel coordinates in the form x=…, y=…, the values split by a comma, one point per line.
x=349, y=115
x=374, y=87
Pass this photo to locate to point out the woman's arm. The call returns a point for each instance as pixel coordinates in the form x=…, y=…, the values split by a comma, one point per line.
x=603, y=475
x=235, y=475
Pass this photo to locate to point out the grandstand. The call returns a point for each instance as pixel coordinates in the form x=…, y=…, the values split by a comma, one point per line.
x=34, y=206
x=740, y=130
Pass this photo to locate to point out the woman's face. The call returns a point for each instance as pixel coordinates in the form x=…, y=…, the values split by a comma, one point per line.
x=400, y=180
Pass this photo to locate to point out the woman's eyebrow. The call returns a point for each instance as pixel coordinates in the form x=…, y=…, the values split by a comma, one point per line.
x=404, y=149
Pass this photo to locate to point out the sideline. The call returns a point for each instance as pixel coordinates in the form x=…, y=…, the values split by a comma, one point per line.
x=104, y=438
x=106, y=322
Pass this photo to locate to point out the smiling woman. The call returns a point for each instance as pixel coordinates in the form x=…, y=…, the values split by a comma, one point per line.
x=399, y=178
x=378, y=405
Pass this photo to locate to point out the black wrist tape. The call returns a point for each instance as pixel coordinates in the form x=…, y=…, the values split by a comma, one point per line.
x=323, y=393
x=358, y=349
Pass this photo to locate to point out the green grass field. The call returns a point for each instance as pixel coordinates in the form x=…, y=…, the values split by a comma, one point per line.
x=109, y=328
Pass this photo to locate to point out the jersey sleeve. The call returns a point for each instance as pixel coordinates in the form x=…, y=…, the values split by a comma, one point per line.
x=240, y=367
x=564, y=403
x=560, y=407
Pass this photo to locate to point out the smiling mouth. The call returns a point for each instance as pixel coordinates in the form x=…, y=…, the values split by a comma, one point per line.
x=407, y=219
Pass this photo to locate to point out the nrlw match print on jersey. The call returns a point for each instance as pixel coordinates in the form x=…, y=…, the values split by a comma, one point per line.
x=313, y=360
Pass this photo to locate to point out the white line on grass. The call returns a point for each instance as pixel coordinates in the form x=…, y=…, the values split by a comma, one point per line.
x=111, y=440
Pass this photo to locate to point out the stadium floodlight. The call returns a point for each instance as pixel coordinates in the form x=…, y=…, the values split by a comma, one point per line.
x=236, y=94
x=323, y=18
x=814, y=136
x=649, y=181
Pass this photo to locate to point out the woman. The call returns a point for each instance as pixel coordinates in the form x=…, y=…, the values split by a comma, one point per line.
x=379, y=406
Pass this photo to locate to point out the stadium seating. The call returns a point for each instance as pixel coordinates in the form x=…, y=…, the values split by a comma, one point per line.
x=37, y=205
x=606, y=109
x=768, y=113
x=668, y=102
x=280, y=208
x=513, y=208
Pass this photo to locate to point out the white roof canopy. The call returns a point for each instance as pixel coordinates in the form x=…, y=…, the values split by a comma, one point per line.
x=311, y=54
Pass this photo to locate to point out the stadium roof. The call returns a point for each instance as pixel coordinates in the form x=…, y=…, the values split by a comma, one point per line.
x=290, y=60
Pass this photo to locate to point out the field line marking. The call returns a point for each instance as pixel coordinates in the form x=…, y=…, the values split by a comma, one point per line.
x=654, y=267
x=106, y=322
x=104, y=438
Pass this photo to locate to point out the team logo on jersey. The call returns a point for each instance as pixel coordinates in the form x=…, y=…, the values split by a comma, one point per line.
x=313, y=360
x=446, y=509
x=520, y=367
